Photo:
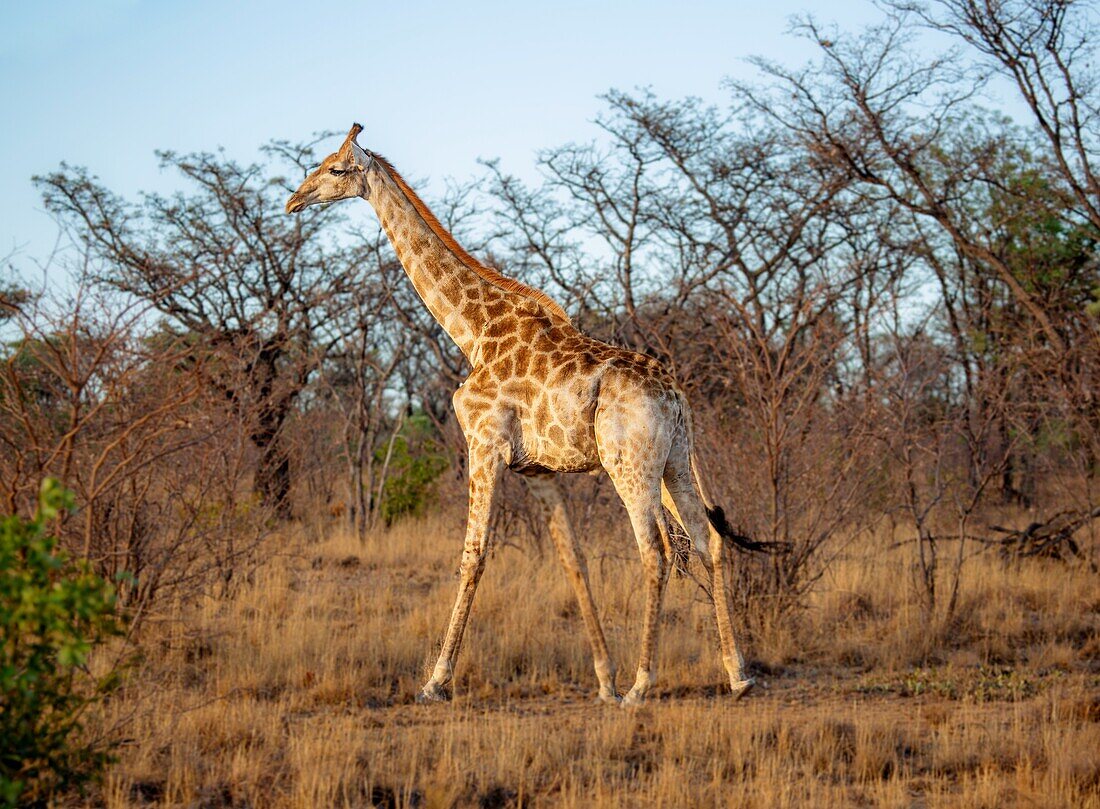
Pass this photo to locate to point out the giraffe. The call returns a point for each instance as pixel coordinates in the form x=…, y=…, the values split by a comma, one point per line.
x=543, y=398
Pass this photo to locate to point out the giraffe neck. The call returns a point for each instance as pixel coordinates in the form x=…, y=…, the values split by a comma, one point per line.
x=458, y=297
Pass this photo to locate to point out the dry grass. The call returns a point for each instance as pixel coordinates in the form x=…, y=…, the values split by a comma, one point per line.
x=298, y=691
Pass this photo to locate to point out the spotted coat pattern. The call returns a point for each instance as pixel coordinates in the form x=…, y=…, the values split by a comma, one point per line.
x=543, y=398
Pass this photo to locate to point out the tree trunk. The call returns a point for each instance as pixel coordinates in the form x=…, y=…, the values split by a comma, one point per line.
x=273, y=478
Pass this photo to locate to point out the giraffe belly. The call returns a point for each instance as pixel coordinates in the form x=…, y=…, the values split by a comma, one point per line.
x=552, y=448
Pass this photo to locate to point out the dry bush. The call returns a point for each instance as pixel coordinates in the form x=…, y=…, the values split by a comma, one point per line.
x=121, y=414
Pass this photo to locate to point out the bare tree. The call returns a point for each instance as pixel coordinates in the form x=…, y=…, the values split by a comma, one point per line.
x=360, y=372
x=1047, y=49
x=262, y=291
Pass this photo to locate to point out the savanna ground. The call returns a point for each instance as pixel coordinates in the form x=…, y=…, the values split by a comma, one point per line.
x=298, y=690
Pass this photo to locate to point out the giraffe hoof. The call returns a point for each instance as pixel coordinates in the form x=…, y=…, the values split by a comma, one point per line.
x=632, y=700
x=742, y=687
x=431, y=694
x=609, y=699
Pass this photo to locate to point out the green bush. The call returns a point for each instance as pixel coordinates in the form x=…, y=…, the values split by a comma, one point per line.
x=416, y=461
x=53, y=611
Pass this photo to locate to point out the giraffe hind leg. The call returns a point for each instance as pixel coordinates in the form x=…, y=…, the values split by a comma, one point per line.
x=681, y=497
x=650, y=531
x=637, y=480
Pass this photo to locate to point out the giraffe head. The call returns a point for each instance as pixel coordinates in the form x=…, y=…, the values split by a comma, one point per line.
x=341, y=175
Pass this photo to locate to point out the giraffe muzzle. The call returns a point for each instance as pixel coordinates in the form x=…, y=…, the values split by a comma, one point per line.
x=295, y=204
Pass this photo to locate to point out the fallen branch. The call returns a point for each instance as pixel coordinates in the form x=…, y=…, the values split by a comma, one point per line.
x=1051, y=539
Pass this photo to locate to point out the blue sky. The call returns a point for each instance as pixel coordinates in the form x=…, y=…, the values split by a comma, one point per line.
x=436, y=85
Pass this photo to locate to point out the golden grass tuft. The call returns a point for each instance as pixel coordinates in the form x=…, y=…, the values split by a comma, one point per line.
x=298, y=691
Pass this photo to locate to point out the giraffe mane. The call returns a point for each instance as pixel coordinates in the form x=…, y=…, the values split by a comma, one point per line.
x=488, y=273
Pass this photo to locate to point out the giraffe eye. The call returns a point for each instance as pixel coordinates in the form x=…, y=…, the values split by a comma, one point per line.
x=336, y=172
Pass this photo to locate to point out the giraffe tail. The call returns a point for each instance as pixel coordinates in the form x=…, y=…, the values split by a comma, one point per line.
x=718, y=520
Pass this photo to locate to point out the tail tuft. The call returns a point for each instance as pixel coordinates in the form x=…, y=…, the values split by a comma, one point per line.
x=717, y=517
x=722, y=525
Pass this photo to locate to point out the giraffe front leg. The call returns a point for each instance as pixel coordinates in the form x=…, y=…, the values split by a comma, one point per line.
x=485, y=470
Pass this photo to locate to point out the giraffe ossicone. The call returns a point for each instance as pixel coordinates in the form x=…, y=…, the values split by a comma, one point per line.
x=543, y=398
